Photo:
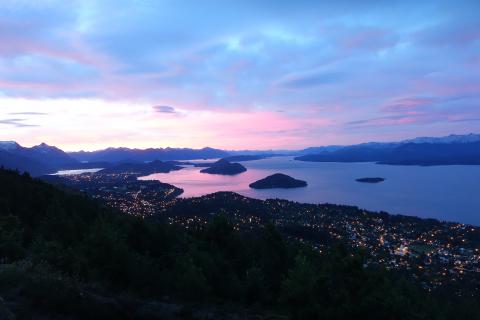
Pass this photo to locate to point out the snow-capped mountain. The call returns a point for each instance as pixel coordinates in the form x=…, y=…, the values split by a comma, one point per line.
x=453, y=138
x=8, y=145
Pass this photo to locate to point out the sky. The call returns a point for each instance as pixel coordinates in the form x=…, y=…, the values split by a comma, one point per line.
x=263, y=74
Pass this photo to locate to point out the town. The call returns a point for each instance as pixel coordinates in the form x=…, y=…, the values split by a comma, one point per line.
x=437, y=255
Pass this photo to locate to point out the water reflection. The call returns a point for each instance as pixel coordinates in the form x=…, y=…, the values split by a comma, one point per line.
x=442, y=192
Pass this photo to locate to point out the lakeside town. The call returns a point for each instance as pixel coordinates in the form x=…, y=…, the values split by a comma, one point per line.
x=437, y=255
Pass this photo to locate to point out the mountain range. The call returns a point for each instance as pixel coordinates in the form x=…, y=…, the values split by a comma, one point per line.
x=142, y=155
x=425, y=151
x=44, y=159
x=37, y=160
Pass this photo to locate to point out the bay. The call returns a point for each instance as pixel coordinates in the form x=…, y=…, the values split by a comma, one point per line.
x=449, y=193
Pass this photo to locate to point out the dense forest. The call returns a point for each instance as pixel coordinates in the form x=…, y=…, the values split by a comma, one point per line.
x=66, y=256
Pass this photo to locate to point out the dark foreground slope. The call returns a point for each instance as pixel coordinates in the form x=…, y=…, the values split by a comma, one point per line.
x=64, y=256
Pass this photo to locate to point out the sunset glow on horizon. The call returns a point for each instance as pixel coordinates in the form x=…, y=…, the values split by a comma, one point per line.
x=247, y=75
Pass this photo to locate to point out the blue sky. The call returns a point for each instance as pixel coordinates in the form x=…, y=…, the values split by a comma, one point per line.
x=237, y=74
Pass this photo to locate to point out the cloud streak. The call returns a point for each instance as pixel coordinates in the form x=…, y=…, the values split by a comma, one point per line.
x=28, y=113
x=164, y=109
x=18, y=123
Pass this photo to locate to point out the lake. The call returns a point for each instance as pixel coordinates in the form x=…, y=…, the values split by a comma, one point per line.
x=76, y=171
x=442, y=192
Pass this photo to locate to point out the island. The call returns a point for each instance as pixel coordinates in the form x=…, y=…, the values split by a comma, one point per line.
x=224, y=167
x=278, y=180
x=370, y=180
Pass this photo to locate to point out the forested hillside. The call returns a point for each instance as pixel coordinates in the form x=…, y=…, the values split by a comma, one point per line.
x=64, y=255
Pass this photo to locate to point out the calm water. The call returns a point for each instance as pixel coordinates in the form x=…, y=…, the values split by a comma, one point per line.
x=442, y=192
x=76, y=171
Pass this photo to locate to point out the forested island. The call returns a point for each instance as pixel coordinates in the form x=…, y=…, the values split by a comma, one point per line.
x=224, y=167
x=278, y=180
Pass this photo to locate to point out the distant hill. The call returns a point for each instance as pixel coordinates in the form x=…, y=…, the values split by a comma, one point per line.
x=23, y=164
x=252, y=157
x=427, y=154
x=156, y=166
x=142, y=155
x=37, y=160
x=50, y=155
x=355, y=153
x=237, y=158
x=314, y=150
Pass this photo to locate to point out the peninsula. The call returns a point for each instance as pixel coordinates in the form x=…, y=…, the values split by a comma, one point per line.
x=156, y=166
